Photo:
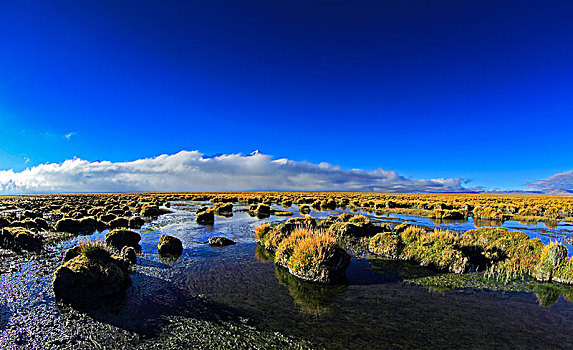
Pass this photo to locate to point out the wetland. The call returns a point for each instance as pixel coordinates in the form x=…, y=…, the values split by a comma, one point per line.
x=237, y=297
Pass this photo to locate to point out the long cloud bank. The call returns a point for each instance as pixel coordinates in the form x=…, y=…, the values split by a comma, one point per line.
x=562, y=181
x=193, y=171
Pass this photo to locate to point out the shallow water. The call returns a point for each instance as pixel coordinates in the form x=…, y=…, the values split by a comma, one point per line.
x=375, y=309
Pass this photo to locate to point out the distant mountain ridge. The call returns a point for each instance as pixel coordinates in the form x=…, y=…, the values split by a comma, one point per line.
x=557, y=192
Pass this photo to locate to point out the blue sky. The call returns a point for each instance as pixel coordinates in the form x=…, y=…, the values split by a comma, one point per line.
x=479, y=90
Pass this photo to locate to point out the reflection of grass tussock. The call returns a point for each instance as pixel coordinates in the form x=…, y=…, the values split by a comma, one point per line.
x=264, y=255
x=169, y=259
x=312, y=298
x=401, y=269
x=546, y=293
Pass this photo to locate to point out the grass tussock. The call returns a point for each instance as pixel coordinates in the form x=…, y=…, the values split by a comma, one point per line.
x=307, y=251
x=94, y=250
x=502, y=254
x=312, y=249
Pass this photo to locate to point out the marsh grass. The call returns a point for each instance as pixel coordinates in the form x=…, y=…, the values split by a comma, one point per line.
x=95, y=250
x=302, y=247
x=499, y=253
x=313, y=248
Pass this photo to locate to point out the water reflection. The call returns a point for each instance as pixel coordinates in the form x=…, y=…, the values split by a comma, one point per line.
x=548, y=296
x=551, y=224
x=169, y=259
x=399, y=269
x=312, y=298
x=439, y=222
x=263, y=255
x=259, y=215
x=478, y=223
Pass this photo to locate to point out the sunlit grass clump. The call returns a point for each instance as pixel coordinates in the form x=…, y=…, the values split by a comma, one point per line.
x=94, y=250
x=438, y=249
x=307, y=252
x=490, y=213
x=447, y=214
x=498, y=252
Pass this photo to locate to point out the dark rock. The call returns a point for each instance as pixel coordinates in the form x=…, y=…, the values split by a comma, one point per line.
x=220, y=241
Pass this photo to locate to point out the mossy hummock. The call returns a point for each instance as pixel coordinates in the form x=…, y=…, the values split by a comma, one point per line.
x=500, y=252
x=306, y=252
x=90, y=273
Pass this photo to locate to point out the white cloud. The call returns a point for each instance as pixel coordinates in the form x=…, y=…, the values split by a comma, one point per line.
x=562, y=181
x=192, y=171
